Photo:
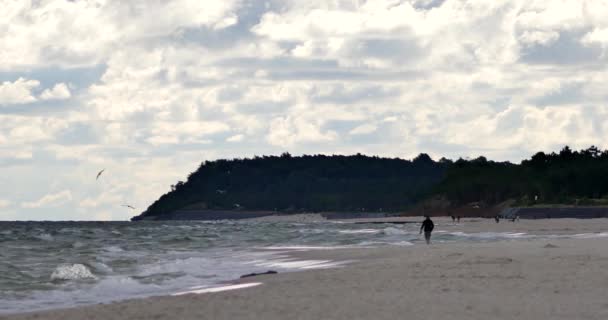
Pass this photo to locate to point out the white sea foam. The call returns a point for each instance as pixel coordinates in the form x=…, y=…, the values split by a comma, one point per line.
x=312, y=231
x=100, y=266
x=292, y=263
x=493, y=235
x=304, y=248
x=329, y=265
x=295, y=264
x=113, y=249
x=402, y=243
x=391, y=231
x=219, y=267
x=72, y=272
x=196, y=266
x=219, y=289
x=44, y=237
x=590, y=235
x=359, y=231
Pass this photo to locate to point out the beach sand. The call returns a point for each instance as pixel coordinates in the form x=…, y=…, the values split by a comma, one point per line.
x=523, y=279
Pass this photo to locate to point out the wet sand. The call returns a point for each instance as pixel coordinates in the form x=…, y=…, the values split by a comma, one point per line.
x=537, y=227
x=523, y=279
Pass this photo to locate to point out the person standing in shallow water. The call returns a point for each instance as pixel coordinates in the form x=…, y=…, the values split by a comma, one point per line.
x=427, y=226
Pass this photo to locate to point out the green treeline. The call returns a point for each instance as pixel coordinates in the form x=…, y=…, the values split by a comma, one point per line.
x=567, y=177
x=306, y=183
x=362, y=183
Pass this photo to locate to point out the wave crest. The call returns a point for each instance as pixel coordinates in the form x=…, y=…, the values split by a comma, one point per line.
x=391, y=231
x=72, y=272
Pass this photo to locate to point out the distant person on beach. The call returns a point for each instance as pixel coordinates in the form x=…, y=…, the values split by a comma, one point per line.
x=427, y=226
x=497, y=218
x=458, y=219
x=453, y=219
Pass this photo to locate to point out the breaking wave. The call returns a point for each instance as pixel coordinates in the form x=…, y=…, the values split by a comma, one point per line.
x=72, y=272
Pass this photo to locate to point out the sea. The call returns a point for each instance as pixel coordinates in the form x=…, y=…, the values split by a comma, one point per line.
x=47, y=265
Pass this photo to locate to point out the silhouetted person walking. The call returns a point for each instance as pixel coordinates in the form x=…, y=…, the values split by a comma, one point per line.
x=427, y=226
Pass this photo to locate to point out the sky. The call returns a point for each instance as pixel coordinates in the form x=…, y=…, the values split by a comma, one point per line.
x=148, y=89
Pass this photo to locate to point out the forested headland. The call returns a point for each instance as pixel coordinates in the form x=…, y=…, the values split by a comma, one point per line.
x=322, y=183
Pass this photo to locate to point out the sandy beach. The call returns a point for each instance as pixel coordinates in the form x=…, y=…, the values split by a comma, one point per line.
x=522, y=279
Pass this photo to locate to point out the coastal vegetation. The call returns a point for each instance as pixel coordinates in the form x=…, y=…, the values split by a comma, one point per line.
x=321, y=183
x=564, y=178
x=305, y=183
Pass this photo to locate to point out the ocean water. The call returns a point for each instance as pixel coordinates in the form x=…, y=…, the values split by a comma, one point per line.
x=45, y=265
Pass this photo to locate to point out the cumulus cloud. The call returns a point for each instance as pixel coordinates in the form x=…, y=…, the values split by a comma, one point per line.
x=18, y=91
x=184, y=132
x=58, y=92
x=235, y=138
x=183, y=80
x=22, y=130
x=538, y=37
x=68, y=26
x=363, y=129
x=289, y=131
x=50, y=200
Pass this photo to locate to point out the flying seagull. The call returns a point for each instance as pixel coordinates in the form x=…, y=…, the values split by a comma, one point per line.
x=100, y=172
x=128, y=206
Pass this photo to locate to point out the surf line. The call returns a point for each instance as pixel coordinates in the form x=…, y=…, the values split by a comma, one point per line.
x=219, y=289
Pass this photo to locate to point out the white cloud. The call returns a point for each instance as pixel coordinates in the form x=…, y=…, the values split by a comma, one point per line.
x=58, y=92
x=185, y=132
x=17, y=92
x=50, y=200
x=21, y=130
x=539, y=37
x=363, y=129
x=287, y=132
x=114, y=196
x=174, y=82
x=59, y=32
x=599, y=36
x=5, y=203
x=226, y=22
x=235, y=138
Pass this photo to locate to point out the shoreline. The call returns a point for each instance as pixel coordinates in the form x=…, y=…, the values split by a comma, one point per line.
x=455, y=281
x=524, y=212
x=460, y=280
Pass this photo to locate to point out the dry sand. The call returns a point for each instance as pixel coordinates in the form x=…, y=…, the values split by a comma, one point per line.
x=556, y=279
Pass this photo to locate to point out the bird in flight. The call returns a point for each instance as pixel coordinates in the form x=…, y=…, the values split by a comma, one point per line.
x=128, y=206
x=100, y=172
